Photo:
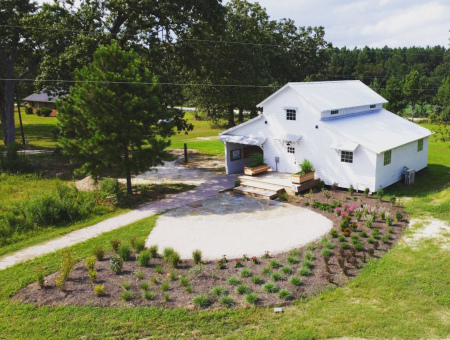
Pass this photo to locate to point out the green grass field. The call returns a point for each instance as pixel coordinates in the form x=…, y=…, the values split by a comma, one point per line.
x=403, y=295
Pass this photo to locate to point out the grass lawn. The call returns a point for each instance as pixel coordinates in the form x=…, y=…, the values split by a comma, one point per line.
x=403, y=295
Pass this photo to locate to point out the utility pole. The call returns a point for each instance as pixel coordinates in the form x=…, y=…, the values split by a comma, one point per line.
x=20, y=120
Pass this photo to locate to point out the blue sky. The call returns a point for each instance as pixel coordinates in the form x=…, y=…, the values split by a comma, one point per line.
x=375, y=23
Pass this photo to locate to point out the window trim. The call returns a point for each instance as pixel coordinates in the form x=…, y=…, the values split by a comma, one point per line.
x=387, y=157
x=291, y=114
x=420, y=145
x=347, y=156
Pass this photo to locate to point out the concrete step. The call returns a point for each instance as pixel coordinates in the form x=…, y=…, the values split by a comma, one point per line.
x=255, y=192
x=264, y=186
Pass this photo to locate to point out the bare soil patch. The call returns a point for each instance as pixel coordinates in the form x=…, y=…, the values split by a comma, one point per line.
x=332, y=271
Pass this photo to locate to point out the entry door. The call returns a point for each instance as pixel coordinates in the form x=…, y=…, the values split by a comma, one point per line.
x=291, y=160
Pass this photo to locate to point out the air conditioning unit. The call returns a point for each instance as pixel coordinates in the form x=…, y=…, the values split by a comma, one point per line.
x=409, y=176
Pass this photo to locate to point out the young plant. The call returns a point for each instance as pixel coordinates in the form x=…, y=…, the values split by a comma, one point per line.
x=219, y=291
x=184, y=281
x=116, y=264
x=90, y=262
x=251, y=298
x=274, y=264
x=296, y=281
x=140, y=275
x=326, y=253
x=270, y=287
x=153, y=251
x=233, y=281
x=286, y=270
x=246, y=272
x=307, y=264
x=167, y=253
x=309, y=256
x=266, y=271
x=197, y=256
x=292, y=260
x=174, y=260
x=257, y=280
x=242, y=289
x=304, y=271
x=144, y=286
x=115, y=245
x=40, y=275
x=226, y=301
x=285, y=294
x=148, y=295
x=334, y=233
x=67, y=264
x=159, y=269
x=165, y=286
x=125, y=252
x=189, y=289
x=139, y=245
x=166, y=297
x=277, y=276
x=126, y=295
x=99, y=253
x=143, y=259
x=99, y=290
x=201, y=301
x=92, y=274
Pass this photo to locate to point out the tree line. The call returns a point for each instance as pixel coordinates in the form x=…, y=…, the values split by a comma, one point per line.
x=220, y=58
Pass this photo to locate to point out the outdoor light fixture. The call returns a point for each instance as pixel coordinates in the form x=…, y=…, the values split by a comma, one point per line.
x=317, y=126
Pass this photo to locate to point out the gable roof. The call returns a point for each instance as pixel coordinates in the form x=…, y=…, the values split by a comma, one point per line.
x=41, y=97
x=242, y=124
x=378, y=130
x=333, y=95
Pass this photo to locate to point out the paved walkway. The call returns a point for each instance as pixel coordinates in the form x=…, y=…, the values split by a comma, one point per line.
x=207, y=189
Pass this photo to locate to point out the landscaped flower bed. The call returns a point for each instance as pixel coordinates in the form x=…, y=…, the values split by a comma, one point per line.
x=364, y=227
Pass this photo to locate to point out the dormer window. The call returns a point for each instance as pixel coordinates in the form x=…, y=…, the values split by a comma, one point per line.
x=334, y=112
x=291, y=114
x=373, y=106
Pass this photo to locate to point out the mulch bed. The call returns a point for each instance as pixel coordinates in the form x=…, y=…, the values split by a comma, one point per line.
x=79, y=289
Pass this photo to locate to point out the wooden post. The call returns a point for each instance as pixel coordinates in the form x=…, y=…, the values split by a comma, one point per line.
x=20, y=119
x=185, y=153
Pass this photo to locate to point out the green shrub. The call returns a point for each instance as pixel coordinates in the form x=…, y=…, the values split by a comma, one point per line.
x=159, y=269
x=341, y=238
x=28, y=110
x=44, y=111
x=351, y=190
x=311, y=246
x=148, y=295
x=167, y=253
x=358, y=246
x=309, y=256
x=286, y=270
x=153, y=251
x=345, y=245
x=99, y=290
x=115, y=244
x=292, y=260
x=92, y=274
x=256, y=159
x=174, y=260
x=139, y=245
x=126, y=295
x=145, y=286
x=305, y=167
x=274, y=264
x=277, y=276
x=389, y=220
x=285, y=294
x=140, y=275
x=166, y=297
x=165, y=286
x=201, y=301
x=283, y=196
x=329, y=245
x=40, y=276
x=184, y=281
x=376, y=233
x=371, y=240
x=189, y=289
x=307, y=264
x=366, y=192
x=116, y=264
x=242, y=289
x=257, y=280
x=385, y=238
x=99, y=253
x=393, y=200
x=125, y=285
x=219, y=291
x=109, y=187
x=334, y=233
x=305, y=271
x=266, y=271
x=125, y=252
x=358, y=215
x=90, y=262
x=154, y=280
x=362, y=234
x=296, y=281
x=66, y=267
x=226, y=301
x=197, y=256
x=237, y=183
x=326, y=252
x=398, y=216
x=251, y=298
x=270, y=287
x=143, y=259
x=246, y=272
x=294, y=252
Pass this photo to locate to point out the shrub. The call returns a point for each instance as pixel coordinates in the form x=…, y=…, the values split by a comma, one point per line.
x=44, y=111
x=92, y=274
x=238, y=264
x=40, y=276
x=334, y=233
x=116, y=264
x=366, y=192
x=184, y=281
x=351, y=190
x=158, y=269
x=307, y=264
x=286, y=270
x=311, y=246
x=154, y=280
x=358, y=246
x=358, y=215
x=144, y=286
x=196, y=270
x=139, y=245
x=390, y=230
x=174, y=260
x=167, y=253
x=341, y=238
x=305, y=167
x=266, y=271
x=246, y=272
x=283, y=196
x=344, y=245
x=292, y=260
x=189, y=289
x=126, y=295
x=389, y=220
x=305, y=271
x=165, y=286
x=197, y=256
x=393, y=200
x=201, y=301
x=379, y=194
x=251, y=298
x=109, y=187
x=383, y=215
x=375, y=233
x=274, y=264
x=233, y=281
x=140, y=275
x=219, y=291
x=309, y=256
x=371, y=240
x=124, y=252
x=90, y=262
x=329, y=245
x=99, y=290
x=257, y=280
x=166, y=297
x=99, y=253
x=28, y=110
x=362, y=234
x=115, y=245
x=143, y=259
x=285, y=294
x=256, y=159
x=242, y=289
x=148, y=295
x=276, y=277
x=398, y=216
x=126, y=285
x=326, y=253
x=226, y=301
x=67, y=264
x=296, y=281
x=270, y=287
x=173, y=275
x=153, y=250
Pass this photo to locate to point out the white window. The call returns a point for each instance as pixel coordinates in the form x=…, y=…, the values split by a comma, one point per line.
x=420, y=145
x=346, y=157
x=387, y=157
x=291, y=114
x=334, y=112
x=290, y=149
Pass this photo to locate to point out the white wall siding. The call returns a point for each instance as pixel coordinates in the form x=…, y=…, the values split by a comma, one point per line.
x=405, y=155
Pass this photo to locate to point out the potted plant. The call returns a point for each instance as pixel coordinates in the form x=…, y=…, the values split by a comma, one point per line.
x=256, y=165
x=306, y=172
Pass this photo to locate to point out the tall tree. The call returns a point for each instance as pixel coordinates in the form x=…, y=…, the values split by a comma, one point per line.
x=17, y=55
x=412, y=89
x=112, y=117
x=393, y=93
x=443, y=98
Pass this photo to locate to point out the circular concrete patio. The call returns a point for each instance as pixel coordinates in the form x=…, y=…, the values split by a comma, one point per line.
x=234, y=225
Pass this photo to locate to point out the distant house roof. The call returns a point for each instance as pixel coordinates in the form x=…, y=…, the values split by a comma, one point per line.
x=378, y=130
x=333, y=95
x=41, y=97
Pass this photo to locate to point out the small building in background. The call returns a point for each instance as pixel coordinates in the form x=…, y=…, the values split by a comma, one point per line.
x=41, y=100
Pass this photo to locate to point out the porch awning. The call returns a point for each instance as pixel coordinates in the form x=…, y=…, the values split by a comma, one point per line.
x=346, y=146
x=246, y=140
x=288, y=138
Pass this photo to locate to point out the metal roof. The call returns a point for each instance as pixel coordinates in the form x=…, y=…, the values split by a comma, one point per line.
x=288, y=138
x=334, y=95
x=378, y=130
x=41, y=97
x=242, y=124
x=247, y=140
x=345, y=146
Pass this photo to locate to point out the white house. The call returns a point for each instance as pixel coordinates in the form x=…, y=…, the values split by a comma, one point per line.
x=340, y=126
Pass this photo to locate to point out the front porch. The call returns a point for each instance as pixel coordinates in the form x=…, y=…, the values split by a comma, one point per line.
x=270, y=184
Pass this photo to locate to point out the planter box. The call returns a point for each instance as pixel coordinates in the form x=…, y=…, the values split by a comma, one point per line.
x=298, y=179
x=256, y=170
